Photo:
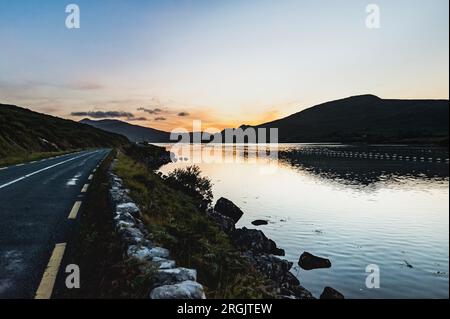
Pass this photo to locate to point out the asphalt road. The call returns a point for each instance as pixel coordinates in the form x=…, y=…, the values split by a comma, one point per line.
x=35, y=202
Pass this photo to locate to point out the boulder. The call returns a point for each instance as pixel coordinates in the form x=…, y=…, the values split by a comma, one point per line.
x=255, y=241
x=228, y=209
x=225, y=223
x=330, y=293
x=259, y=222
x=301, y=292
x=173, y=276
x=308, y=261
x=278, y=270
x=273, y=267
x=184, y=290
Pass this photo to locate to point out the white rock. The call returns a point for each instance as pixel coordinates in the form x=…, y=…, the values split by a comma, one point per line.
x=184, y=290
x=164, y=263
x=146, y=253
x=124, y=217
x=174, y=275
x=124, y=224
x=129, y=207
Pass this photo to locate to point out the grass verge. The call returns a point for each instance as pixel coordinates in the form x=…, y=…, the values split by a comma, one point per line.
x=12, y=160
x=193, y=240
x=97, y=250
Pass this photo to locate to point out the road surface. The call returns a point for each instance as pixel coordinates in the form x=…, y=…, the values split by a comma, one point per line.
x=39, y=204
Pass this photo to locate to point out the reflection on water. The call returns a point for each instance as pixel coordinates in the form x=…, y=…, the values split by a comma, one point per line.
x=384, y=205
x=366, y=172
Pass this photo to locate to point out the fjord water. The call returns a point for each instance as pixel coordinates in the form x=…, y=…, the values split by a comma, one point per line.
x=382, y=205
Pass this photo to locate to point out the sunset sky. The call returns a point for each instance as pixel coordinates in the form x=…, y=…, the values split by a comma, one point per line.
x=164, y=63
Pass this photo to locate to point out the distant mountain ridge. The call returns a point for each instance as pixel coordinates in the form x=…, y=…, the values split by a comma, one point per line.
x=357, y=119
x=366, y=118
x=23, y=131
x=134, y=133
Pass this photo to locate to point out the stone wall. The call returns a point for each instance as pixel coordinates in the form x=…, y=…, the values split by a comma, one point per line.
x=169, y=281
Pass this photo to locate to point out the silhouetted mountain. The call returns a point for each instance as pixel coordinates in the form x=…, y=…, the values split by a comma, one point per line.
x=135, y=133
x=367, y=118
x=363, y=118
x=23, y=131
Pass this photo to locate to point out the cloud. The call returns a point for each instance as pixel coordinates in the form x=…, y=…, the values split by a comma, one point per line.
x=160, y=118
x=151, y=111
x=142, y=118
x=183, y=114
x=104, y=114
x=110, y=114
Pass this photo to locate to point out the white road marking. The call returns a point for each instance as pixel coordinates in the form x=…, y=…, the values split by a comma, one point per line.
x=45, y=288
x=73, y=181
x=41, y=170
x=85, y=188
x=74, y=212
x=18, y=165
x=91, y=177
x=2, y=168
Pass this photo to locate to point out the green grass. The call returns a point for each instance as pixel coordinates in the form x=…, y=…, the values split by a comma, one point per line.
x=193, y=240
x=32, y=157
x=24, y=133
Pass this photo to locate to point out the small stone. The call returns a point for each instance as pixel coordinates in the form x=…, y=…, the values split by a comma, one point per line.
x=164, y=263
x=184, y=290
x=174, y=276
x=124, y=224
x=308, y=261
x=259, y=222
x=124, y=217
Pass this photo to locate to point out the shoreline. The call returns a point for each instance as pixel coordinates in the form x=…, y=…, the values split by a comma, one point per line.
x=252, y=246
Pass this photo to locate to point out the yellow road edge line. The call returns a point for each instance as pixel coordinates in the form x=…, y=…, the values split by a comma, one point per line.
x=74, y=212
x=85, y=188
x=45, y=288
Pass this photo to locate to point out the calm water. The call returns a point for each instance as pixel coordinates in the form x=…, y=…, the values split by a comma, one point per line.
x=383, y=205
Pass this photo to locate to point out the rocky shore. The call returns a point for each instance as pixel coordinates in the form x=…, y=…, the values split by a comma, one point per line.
x=171, y=282
x=264, y=254
x=261, y=251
